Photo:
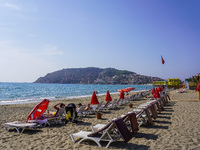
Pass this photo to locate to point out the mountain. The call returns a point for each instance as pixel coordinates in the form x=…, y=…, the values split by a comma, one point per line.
x=92, y=75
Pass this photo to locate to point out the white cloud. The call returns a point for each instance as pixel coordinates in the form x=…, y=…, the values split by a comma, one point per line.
x=12, y=6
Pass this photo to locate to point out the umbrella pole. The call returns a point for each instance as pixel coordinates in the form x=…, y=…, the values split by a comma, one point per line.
x=199, y=95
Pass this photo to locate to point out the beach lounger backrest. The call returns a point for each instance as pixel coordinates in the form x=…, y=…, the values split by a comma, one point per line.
x=82, y=109
x=114, y=102
x=108, y=125
x=134, y=123
x=125, y=118
x=158, y=106
x=118, y=101
x=150, y=121
x=106, y=105
x=153, y=111
x=123, y=130
x=61, y=112
x=112, y=105
x=98, y=106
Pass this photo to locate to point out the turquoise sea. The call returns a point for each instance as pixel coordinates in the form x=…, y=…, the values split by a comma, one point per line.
x=18, y=93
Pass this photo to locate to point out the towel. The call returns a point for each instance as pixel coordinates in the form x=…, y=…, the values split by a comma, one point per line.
x=123, y=130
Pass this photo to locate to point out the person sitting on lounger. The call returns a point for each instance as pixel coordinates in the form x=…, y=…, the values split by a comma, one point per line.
x=88, y=107
x=61, y=105
x=79, y=106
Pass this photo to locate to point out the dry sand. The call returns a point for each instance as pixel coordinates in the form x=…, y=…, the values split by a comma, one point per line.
x=177, y=127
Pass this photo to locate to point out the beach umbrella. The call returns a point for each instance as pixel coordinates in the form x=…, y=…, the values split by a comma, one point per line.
x=108, y=97
x=156, y=94
x=153, y=90
x=121, y=95
x=130, y=88
x=124, y=90
x=94, y=99
x=38, y=110
x=198, y=89
x=160, y=89
x=119, y=90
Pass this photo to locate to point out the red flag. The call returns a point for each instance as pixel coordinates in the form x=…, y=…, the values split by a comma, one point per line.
x=162, y=60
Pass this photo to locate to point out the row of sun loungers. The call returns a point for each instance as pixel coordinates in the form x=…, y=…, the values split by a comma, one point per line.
x=110, y=132
x=125, y=126
x=100, y=107
x=109, y=105
x=47, y=119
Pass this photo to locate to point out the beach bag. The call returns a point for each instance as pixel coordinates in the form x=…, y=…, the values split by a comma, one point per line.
x=72, y=108
x=68, y=115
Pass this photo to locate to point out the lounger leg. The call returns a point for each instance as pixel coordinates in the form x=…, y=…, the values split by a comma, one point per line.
x=17, y=130
x=5, y=128
x=22, y=130
x=46, y=123
x=108, y=144
x=72, y=137
x=92, y=140
x=93, y=130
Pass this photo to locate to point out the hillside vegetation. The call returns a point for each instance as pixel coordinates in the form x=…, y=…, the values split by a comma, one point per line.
x=92, y=75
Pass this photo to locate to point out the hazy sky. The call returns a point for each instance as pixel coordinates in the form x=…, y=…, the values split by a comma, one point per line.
x=41, y=36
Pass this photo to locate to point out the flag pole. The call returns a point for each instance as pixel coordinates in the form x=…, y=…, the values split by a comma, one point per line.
x=163, y=71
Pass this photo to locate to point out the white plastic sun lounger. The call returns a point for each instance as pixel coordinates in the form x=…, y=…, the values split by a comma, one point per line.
x=20, y=126
x=107, y=133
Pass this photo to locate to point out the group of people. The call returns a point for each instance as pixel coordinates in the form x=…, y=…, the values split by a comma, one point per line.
x=61, y=105
x=87, y=108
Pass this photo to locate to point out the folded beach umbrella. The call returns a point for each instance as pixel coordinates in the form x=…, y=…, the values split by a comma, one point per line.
x=108, y=97
x=198, y=87
x=156, y=94
x=160, y=89
x=94, y=99
x=153, y=90
x=121, y=95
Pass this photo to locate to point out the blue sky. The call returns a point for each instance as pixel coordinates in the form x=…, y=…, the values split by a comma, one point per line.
x=39, y=37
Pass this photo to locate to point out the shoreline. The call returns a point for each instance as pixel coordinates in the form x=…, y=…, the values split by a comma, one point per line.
x=37, y=100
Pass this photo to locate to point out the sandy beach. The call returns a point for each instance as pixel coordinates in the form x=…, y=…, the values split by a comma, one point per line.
x=177, y=127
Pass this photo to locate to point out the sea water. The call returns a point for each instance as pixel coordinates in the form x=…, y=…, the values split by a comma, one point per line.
x=18, y=93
